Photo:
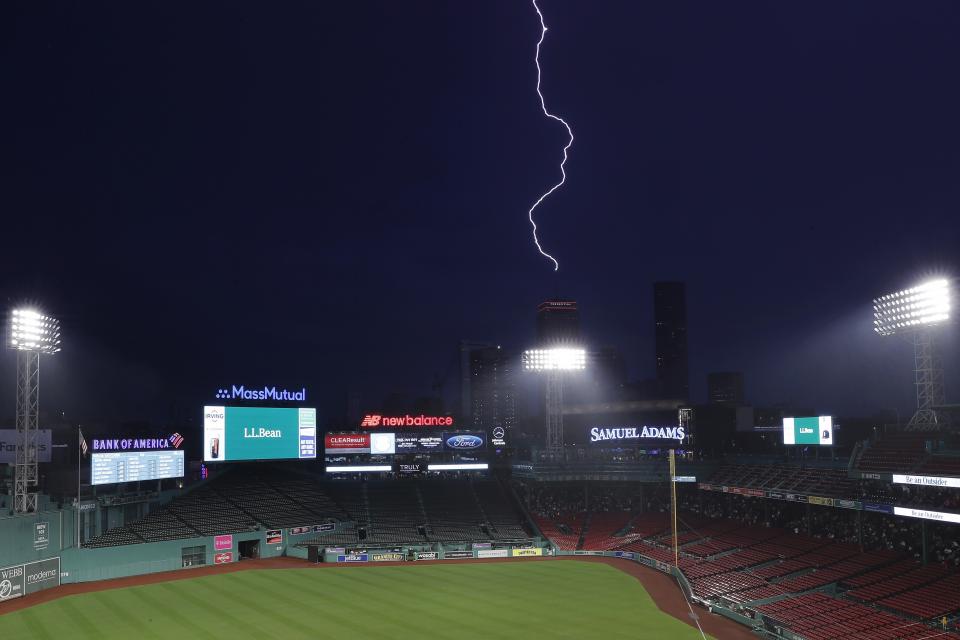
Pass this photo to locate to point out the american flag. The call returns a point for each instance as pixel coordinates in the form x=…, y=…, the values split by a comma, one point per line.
x=83, y=443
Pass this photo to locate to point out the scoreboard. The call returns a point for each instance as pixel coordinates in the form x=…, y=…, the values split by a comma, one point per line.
x=404, y=452
x=135, y=466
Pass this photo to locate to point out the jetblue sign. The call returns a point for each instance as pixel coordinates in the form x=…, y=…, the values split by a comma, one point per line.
x=600, y=434
x=267, y=393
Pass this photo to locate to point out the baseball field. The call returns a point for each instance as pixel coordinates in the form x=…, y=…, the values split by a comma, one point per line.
x=484, y=601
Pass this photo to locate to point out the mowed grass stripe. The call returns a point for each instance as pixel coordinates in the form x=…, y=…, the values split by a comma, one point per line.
x=32, y=627
x=308, y=611
x=496, y=601
x=212, y=610
x=430, y=612
x=122, y=603
x=330, y=603
x=77, y=618
x=179, y=601
x=268, y=618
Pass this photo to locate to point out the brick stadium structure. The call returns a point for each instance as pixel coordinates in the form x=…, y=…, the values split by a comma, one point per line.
x=798, y=550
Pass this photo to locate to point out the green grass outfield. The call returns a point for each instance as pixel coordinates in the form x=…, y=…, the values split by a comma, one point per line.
x=458, y=601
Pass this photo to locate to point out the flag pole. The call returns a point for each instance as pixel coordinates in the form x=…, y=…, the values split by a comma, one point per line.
x=76, y=515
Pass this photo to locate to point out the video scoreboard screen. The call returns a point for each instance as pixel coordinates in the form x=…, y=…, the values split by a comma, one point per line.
x=259, y=433
x=374, y=443
x=405, y=452
x=135, y=466
x=815, y=430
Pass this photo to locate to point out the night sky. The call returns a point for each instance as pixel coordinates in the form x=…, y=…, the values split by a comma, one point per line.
x=332, y=196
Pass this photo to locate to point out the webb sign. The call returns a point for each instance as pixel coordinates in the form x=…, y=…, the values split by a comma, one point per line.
x=31, y=577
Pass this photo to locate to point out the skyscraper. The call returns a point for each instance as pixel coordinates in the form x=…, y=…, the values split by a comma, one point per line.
x=492, y=388
x=725, y=387
x=558, y=322
x=670, y=319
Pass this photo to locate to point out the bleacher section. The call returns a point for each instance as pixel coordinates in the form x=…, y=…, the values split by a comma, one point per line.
x=387, y=513
x=898, y=452
x=822, y=482
x=746, y=566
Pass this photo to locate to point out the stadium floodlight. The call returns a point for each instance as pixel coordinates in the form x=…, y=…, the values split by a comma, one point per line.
x=556, y=359
x=914, y=313
x=554, y=362
x=30, y=334
x=925, y=305
x=30, y=330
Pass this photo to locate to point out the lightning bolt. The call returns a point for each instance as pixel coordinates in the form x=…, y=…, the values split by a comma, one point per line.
x=563, y=173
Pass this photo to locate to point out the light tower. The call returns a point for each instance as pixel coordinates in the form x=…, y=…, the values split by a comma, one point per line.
x=554, y=364
x=915, y=313
x=31, y=333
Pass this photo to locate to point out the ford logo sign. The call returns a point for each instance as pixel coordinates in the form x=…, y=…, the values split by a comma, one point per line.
x=464, y=442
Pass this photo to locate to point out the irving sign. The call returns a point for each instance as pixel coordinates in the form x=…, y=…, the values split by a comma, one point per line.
x=599, y=434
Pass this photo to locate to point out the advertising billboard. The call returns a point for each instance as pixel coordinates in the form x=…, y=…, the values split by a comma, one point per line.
x=8, y=446
x=259, y=433
x=274, y=536
x=813, y=430
x=927, y=481
x=464, y=441
x=390, y=443
x=135, y=466
x=520, y=553
x=31, y=577
x=642, y=432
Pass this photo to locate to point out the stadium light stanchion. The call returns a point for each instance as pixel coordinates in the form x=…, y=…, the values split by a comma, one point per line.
x=554, y=363
x=30, y=334
x=916, y=313
x=673, y=507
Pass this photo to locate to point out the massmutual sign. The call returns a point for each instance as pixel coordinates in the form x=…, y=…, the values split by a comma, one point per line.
x=600, y=434
x=266, y=393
